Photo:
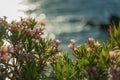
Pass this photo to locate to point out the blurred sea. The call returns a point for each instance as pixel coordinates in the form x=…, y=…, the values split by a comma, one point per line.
x=67, y=18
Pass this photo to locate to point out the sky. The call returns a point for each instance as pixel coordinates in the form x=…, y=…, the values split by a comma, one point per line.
x=11, y=9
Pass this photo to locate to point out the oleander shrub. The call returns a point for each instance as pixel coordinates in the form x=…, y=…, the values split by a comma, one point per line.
x=92, y=61
x=25, y=54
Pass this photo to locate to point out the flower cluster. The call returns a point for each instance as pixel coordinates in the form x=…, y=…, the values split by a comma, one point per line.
x=55, y=45
x=114, y=54
x=26, y=53
x=4, y=53
x=114, y=73
x=71, y=45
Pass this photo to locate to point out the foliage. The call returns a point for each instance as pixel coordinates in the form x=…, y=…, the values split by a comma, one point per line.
x=26, y=55
x=92, y=61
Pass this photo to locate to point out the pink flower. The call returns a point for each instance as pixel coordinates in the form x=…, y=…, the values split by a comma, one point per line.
x=71, y=46
x=10, y=49
x=97, y=44
x=14, y=28
x=5, y=57
x=89, y=50
x=4, y=50
x=90, y=40
x=114, y=54
x=114, y=73
x=28, y=32
x=37, y=36
x=42, y=26
x=73, y=41
x=56, y=43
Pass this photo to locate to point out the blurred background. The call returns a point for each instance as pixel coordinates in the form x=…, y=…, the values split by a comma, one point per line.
x=66, y=19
